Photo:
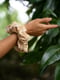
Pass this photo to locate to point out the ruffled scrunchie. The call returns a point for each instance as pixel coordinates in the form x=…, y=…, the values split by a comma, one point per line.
x=23, y=37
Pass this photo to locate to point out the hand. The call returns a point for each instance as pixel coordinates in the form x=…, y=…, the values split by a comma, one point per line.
x=37, y=27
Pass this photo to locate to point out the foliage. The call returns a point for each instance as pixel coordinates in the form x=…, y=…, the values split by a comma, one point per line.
x=47, y=48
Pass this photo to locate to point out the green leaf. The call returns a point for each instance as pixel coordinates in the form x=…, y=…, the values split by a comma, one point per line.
x=51, y=55
x=31, y=42
x=49, y=12
x=57, y=72
x=50, y=4
x=58, y=22
x=53, y=33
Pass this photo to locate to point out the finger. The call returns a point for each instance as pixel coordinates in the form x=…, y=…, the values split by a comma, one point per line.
x=50, y=26
x=45, y=20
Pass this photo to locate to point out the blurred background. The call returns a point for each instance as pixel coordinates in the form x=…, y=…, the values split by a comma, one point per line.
x=42, y=62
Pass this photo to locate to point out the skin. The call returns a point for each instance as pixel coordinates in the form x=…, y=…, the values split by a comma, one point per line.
x=34, y=28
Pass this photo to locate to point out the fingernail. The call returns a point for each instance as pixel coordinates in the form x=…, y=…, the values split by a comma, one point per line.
x=57, y=26
x=50, y=18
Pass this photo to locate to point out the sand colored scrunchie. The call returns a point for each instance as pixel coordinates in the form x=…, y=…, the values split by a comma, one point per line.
x=22, y=42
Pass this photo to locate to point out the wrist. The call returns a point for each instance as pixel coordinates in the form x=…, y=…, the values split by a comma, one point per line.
x=27, y=28
x=15, y=36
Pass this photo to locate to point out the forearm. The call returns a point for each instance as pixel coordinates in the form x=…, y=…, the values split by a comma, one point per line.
x=7, y=44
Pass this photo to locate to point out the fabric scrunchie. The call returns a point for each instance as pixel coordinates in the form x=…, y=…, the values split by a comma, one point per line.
x=23, y=37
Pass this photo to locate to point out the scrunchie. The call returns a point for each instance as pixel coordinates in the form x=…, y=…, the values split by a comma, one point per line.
x=22, y=42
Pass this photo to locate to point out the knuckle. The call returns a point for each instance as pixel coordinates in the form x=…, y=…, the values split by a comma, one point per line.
x=37, y=19
x=43, y=26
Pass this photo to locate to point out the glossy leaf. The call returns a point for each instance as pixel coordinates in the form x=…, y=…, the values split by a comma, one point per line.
x=57, y=72
x=51, y=55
